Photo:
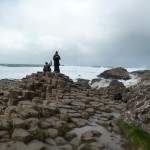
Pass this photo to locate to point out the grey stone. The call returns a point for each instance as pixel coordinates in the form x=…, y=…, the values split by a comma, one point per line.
x=36, y=145
x=70, y=135
x=53, y=133
x=115, y=73
x=76, y=115
x=116, y=129
x=66, y=147
x=60, y=141
x=18, y=123
x=4, y=136
x=90, y=111
x=14, y=146
x=45, y=125
x=83, y=147
x=50, y=142
x=20, y=135
x=99, y=145
x=87, y=136
x=75, y=142
x=4, y=124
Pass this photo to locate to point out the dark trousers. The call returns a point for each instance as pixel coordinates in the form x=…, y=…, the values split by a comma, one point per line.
x=56, y=68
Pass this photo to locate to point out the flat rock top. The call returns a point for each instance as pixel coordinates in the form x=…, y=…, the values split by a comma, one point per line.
x=6, y=84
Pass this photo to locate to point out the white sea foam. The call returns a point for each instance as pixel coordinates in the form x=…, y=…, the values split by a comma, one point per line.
x=133, y=81
x=101, y=83
x=74, y=72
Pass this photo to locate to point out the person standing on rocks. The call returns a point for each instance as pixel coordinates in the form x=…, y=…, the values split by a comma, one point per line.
x=56, y=59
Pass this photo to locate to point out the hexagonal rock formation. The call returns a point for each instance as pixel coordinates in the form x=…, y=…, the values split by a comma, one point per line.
x=45, y=107
x=37, y=108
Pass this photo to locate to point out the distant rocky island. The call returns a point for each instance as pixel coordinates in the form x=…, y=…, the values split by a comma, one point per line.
x=22, y=65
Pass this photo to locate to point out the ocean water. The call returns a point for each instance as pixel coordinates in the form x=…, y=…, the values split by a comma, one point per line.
x=74, y=72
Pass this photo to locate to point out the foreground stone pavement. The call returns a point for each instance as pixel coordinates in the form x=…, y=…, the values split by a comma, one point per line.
x=32, y=113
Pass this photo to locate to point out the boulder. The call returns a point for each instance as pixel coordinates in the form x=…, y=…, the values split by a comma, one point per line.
x=14, y=146
x=90, y=111
x=18, y=123
x=5, y=124
x=4, y=136
x=97, y=145
x=50, y=142
x=117, y=89
x=90, y=135
x=45, y=125
x=52, y=133
x=95, y=80
x=115, y=73
x=83, y=83
x=83, y=147
x=36, y=145
x=75, y=142
x=20, y=134
x=60, y=141
x=64, y=147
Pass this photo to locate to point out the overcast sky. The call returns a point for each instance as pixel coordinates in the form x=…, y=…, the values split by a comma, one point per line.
x=85, y=32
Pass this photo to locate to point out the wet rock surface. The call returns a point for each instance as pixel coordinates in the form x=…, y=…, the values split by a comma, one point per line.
x=52, y=112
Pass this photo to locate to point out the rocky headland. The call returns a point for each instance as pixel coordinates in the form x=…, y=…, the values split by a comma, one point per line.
x=50, y=111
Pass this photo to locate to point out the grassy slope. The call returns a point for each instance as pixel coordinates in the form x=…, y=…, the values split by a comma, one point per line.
x=138, y=137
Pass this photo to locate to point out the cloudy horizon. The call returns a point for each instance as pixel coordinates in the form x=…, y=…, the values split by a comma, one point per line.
x=85, y=32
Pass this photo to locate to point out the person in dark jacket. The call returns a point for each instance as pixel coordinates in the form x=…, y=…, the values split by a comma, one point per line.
x=56, y=59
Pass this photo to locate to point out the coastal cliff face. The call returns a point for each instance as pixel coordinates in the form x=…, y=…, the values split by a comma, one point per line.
x=137, y=111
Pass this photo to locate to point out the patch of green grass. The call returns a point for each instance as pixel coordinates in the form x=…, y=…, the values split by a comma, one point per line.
x=40, y=136
x=11, y=128
x=63, y=130
x=137, y=136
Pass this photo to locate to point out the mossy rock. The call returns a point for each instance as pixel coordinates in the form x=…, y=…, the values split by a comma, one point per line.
x=135, y=135
x=40, y=136
x=63, y=130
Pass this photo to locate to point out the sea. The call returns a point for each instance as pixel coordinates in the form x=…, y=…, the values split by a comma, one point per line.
x=19, y=71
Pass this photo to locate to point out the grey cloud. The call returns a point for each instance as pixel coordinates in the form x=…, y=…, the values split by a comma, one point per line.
x=84, y=32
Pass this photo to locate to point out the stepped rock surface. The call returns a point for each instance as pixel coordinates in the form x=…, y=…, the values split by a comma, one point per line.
x=33, y=113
